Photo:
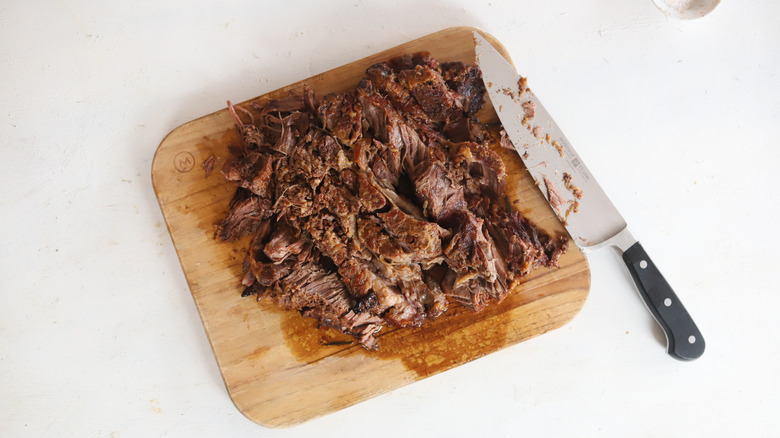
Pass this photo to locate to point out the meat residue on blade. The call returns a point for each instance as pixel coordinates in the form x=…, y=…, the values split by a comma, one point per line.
x=574, y=206
x=381, y=205
x=529, y=108
x=553, y=195
x=571, y=187
x=522, y=85
x=557, y=201
x=559, y=147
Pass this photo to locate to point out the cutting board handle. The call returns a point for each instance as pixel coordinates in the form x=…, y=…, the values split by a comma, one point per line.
x=684, y=340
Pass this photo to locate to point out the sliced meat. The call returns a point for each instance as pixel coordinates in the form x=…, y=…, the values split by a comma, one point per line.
x=379, y=205
x=483, y=168
x=522, y=245
x=395, y=138
x=466, y=80
x=441, y=197
x=377, y=240
x=459, y=128
x=471, y=290
x=284, y=242
x=421, y=239
x=371, y=198
x=315, y=156
x=384, y=78
x=294, y=202
x=315, y=293
x=378, y=295
x=428, y=88
x=342, y=115
x=418, y=287
x=472, y=250
x=246, y=214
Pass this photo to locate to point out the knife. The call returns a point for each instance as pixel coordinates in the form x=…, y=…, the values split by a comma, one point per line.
x=577, y=199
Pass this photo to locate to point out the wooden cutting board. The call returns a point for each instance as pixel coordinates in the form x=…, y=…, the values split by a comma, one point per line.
x=279, y=368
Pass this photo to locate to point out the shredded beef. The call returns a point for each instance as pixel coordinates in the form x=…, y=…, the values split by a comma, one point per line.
x=354, y=199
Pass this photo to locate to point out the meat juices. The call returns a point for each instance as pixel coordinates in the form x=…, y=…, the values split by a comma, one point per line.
x=380, y=205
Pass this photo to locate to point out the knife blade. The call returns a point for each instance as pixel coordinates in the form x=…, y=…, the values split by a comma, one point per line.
x=576, y=197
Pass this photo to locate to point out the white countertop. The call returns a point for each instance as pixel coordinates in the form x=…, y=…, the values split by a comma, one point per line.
x=679, y=120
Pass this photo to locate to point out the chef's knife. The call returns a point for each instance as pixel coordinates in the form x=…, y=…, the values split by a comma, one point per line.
x=576, y=197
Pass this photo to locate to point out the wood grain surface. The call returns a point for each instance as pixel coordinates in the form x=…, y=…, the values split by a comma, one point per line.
x=279, y=368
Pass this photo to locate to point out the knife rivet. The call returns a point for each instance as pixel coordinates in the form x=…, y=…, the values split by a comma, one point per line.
x=668, y=302
x=691, y=339
x=643, y=264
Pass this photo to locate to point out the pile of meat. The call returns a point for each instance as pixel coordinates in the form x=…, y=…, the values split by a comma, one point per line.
x=381, y=205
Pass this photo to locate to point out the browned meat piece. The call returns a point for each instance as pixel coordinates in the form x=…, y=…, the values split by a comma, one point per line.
x=395, y=138
x=267, y=273
x=342, y=115
x=419, y=288
x=331, y=239
x=441, y=196
x=247, y=212
x=371, y=198
x=255, y=252
x=385, y=80
x=311, y=286
x=386, y=126
x=377, y=295
x=289, y=129
x=357, y=201
x=459, y=128
x=405, y=204
x=400, y=63
x=471, y=290
x=317, y=155
x=414, y=150
x=374, y=237
x=349, y=178
x=433, y=298
x=421, y=239
x=283, y=243
x=337, y=199
x=318, y=294
x=425, y=59
x=272, y=260
x=483, y=167
x=430, y=91
x=363, y=326
x=466, y=80
x=294, y=201
x=254, y=171
x=522, y=245
x=376, y=110
x=471, y=250
x=255, y=289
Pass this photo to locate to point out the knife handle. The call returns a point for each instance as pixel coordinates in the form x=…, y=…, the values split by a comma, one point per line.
x=684, y=340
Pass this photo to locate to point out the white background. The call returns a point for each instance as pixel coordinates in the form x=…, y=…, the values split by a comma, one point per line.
x=679, y=120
